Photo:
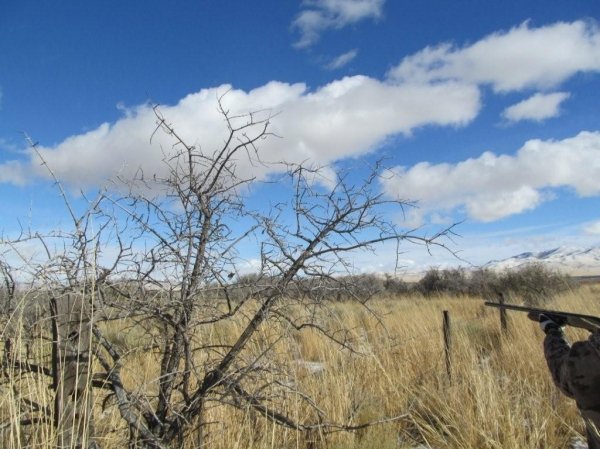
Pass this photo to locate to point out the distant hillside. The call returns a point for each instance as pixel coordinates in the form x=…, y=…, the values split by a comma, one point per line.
x=573, y=261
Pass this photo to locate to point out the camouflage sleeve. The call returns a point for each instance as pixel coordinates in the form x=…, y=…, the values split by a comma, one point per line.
x=556, y=351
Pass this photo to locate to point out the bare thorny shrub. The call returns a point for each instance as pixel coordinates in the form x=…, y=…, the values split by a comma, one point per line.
x=166, y=257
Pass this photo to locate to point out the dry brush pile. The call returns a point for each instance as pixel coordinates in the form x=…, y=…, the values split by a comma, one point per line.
x=160, y=256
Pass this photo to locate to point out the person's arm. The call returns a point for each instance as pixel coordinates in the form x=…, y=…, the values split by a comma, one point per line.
x=556, y=351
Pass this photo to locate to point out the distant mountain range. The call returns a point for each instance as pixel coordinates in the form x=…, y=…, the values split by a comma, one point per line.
x=574, y=261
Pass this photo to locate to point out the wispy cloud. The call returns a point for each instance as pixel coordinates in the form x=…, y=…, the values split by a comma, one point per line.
x=536, y=108
x=6, y=146
x=520, y=58
x=492, y=186
x=592, y=228
x=14, y=172
x=342, y=60
x=320, y=15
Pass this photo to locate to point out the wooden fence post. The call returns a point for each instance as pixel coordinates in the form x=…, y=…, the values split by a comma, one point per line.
x=448, y=344
x=71, y=362
x=503, y=320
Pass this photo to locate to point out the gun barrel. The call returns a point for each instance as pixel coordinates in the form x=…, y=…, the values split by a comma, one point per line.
x=588, y=322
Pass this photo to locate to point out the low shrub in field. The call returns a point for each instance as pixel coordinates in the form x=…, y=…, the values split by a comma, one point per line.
x=450, y=281
x=533, y=283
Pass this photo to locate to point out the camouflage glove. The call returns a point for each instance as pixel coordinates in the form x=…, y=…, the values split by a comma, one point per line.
x=550, y=323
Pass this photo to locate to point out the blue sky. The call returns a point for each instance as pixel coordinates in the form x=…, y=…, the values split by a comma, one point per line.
x=487, y=112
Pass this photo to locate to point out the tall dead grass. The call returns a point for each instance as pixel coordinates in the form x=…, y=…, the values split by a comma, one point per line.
x=499, y=395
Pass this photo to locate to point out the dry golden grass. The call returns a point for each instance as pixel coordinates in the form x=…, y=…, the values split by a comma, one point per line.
x=500, y=394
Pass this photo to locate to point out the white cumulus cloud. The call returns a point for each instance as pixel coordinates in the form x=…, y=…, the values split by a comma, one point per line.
x=344, y=118
x=492, y=186
x=537, y=107
x=320, y=15
x=522, y=57
x=352, y=116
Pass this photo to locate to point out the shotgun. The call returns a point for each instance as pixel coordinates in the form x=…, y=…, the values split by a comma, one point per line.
x=589, y=322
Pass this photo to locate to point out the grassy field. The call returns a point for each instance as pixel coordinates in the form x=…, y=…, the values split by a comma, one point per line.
x=499, y=394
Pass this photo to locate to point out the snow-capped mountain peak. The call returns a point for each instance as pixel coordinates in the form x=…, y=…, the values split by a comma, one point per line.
x=576, y=261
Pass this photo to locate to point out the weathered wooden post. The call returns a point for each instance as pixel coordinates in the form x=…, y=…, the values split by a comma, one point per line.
x=72, y=373
x=448, y=344
x=503, y=320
